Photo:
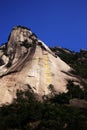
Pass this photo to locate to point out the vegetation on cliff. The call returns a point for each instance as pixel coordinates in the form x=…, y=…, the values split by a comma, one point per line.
x=26, y=113
x=77, y=60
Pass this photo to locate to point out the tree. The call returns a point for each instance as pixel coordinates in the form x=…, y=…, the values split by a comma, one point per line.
x=52, y=90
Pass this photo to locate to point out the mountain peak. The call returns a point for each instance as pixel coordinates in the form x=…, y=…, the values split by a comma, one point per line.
x=27, y=61
x=21, y=34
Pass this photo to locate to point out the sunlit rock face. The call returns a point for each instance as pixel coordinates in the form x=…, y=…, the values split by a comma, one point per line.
x=25, y=60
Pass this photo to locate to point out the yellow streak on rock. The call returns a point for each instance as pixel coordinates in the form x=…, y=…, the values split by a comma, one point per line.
x=37, y=58
x=37, y=75
x=47, y=69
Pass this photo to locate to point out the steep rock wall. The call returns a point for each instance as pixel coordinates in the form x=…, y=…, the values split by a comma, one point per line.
x=28, y=61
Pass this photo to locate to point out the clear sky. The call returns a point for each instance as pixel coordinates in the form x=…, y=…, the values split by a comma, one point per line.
x=56, y=22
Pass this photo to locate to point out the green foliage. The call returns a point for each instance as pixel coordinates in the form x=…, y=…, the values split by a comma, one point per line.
x=51, y=88
x=77, y=60
x=23, y=27
x=26, y=113
x=9, y=64
x=22, y=111
x=74, y=91
x=26, y=44
x=61, y=98
x=1, y=62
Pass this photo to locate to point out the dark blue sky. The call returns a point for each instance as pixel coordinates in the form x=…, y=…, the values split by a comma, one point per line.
x=56, y=22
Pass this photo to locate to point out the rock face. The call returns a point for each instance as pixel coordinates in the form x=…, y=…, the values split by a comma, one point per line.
x=80, y=103
x=25, y=60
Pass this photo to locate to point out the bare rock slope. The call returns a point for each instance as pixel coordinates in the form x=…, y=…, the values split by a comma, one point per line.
x=25, y=60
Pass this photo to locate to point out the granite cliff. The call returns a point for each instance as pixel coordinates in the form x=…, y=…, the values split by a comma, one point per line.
x=28, y=63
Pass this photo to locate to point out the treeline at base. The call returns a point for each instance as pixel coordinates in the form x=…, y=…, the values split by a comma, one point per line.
x=54, y=113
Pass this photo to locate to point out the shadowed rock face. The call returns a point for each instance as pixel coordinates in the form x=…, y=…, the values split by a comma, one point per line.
x=26, y=60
